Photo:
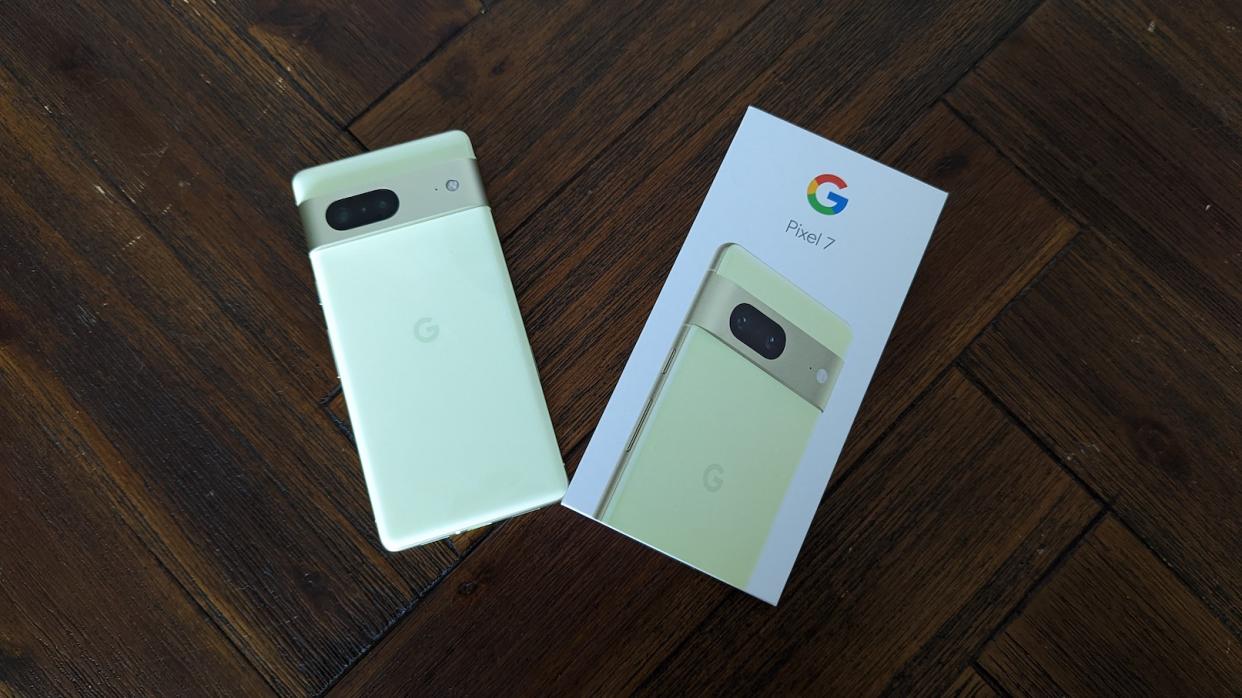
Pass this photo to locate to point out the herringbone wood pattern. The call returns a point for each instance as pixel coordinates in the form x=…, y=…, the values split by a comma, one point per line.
x=1039, y=496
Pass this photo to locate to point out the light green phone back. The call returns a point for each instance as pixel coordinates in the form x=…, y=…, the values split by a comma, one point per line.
x=707, y=475
x=445, y=401
x=449, y=417
x=725, y=429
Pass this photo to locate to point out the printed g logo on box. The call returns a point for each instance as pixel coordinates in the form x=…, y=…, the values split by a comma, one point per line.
x=836, y=202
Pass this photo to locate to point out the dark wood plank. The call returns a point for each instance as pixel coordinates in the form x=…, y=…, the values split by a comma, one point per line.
x=910, y=565
x=542, y=88
x=1146, y=142
x=346, y=55
x=548, y=601
x=1113, y=620
x=200, y=136
x=585, y=296
x=337, y=411
x=84, y=607
x=970, y=685
x=1126, y=360
x=1138, y=390
x=995, y=234
x=956, y=514
x=147, y=283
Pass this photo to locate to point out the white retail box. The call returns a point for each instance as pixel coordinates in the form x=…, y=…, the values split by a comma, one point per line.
x=725, y=426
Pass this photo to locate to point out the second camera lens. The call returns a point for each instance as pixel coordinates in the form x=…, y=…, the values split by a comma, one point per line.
x=757, y=331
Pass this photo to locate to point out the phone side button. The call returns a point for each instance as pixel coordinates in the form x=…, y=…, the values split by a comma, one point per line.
x=642, y=420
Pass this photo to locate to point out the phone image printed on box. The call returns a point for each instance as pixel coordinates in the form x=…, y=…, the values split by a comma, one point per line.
x=436, y=369
x=717, y=444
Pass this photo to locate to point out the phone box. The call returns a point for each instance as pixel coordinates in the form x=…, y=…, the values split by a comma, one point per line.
x=719, y=439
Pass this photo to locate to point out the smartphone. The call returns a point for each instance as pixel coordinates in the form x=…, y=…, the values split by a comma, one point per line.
x=726, y=424
x=438, y=377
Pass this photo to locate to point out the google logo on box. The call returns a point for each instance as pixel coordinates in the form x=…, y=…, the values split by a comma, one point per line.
x=836, y=201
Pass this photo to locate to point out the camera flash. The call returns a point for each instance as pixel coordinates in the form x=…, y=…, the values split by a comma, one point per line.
x=451, y=185
x=821, y=376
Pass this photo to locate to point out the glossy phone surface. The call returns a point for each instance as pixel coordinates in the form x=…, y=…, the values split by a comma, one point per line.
x=727, y=423
x=442, y=391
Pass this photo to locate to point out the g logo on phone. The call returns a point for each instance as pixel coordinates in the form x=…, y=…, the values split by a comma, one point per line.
x=836, y=202
x=426, y=330
x=713, y=477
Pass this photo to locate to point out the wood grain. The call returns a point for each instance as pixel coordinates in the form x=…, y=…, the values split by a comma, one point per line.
x=1137, y=390
x=1126, y=360
x=543, y=88
x=1115, y=621
x=1147, y=142
x=84, y=607
x=200, y=139
x=970, y=685
x=347, y=56
x=161, y=317
x=334, y=406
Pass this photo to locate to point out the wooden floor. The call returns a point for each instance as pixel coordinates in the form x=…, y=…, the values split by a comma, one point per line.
x=1042, y=494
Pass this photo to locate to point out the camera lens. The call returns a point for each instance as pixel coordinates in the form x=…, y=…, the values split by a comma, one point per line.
x=757, y=331
x=339, y=218
x=363, y=209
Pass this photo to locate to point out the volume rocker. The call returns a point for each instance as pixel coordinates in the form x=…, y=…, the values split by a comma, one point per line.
x=642, y=420
x=672, y=354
